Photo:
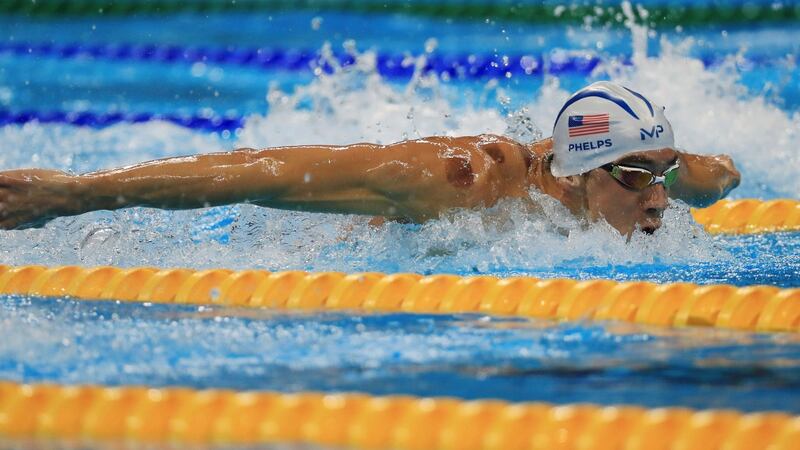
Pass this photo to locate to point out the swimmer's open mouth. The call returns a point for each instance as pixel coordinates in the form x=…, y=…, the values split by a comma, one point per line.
x=649, y=230
x=650, y=225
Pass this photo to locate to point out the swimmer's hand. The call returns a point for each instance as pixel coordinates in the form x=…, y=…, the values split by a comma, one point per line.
x=29, y=198
x=704, y=179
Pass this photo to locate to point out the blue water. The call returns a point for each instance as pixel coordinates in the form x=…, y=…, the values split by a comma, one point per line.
x=101, y=86
x=467, y=356
x=749, y=109
x=772, y=259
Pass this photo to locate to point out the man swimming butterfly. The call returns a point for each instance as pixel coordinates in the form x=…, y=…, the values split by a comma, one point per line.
x=611, y=158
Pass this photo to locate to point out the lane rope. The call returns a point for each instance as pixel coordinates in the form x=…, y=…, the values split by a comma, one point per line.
x=206, y=123
x=748, y=216
x=389, y=65
x=664, y=14
x=220, y=417
x=752, y=308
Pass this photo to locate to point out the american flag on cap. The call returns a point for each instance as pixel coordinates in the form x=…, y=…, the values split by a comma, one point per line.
x=588, y=124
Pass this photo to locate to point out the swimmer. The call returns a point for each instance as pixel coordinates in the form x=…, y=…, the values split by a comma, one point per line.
x=611, y=157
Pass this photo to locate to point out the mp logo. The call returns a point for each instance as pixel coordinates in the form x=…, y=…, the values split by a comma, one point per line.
x=655, y=131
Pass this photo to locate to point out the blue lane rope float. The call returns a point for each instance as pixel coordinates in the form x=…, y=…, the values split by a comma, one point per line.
x=102, y=120
x=391, y=65
x=663, y=13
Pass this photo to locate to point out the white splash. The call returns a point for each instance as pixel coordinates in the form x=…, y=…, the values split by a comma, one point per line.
x=358, y=105
x=710, y=111
x=79, y=149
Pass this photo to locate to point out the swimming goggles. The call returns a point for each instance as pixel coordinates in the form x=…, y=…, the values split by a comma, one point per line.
x=637, y=178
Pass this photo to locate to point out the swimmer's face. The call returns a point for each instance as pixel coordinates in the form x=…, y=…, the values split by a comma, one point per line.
x=627, y=209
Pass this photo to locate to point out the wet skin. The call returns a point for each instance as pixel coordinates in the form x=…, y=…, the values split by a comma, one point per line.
x=626, y=208
x=411, y=180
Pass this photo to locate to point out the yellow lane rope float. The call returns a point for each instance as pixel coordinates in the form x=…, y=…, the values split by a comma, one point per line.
x=749, y=216
x=181, y=415
x=754, y=308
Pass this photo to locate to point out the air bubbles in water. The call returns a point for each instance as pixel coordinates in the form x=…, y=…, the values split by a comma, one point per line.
x=354, y=104
x=522, y=128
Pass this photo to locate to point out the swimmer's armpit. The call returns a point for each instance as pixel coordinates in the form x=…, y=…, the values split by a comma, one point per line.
x=704, y=179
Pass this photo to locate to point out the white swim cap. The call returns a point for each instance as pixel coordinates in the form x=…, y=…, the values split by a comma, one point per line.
x=603, y=122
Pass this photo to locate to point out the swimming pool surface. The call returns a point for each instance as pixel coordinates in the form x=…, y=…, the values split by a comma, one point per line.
x=466, y=356
x=731, y=89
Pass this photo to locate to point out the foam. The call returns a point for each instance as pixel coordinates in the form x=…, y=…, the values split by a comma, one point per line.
x=352, y=105
x=79, y=149
x=712, y=113
x=357, y=105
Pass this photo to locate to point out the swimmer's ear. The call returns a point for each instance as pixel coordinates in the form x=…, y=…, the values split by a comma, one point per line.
x=572, y=184
x=571, y=181
x=572, y=192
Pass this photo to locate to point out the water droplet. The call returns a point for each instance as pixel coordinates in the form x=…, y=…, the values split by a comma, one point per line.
x=431, y=44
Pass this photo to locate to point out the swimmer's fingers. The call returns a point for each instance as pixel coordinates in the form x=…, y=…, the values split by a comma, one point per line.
x=6, y=207
x=12, y=218
x=29, y=198
x=8, y=224
x=4, y=212
x=730, y=174
x=8, y=220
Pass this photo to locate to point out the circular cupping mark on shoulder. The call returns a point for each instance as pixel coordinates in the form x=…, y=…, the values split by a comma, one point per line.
x=495, y=153
x=459, y=171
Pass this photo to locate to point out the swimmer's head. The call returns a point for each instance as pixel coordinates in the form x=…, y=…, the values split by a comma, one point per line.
x=607, y=123
x=602, y=123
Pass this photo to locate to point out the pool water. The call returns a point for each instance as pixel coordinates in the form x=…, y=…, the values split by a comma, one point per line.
x=733, y=90
x=466, y=356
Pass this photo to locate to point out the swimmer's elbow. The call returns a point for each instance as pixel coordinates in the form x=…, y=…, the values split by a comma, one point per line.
x=699, y=202
x=704, y=180
x=703, y=198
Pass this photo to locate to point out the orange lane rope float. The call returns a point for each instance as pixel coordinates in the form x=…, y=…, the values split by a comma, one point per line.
x=753, y=308
x=749, y=216
x=82, y=414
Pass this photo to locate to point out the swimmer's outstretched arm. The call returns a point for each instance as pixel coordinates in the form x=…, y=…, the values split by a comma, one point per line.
x=394, y=180
x=704, y=179
x=414, y=180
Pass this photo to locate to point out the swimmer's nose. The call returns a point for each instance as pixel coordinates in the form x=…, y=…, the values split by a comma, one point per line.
x=656, y=201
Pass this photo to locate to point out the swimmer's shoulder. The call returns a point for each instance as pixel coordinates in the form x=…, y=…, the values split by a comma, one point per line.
x=518, y=165
x=505, y=151
x=510, y=158
x=491, y=144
